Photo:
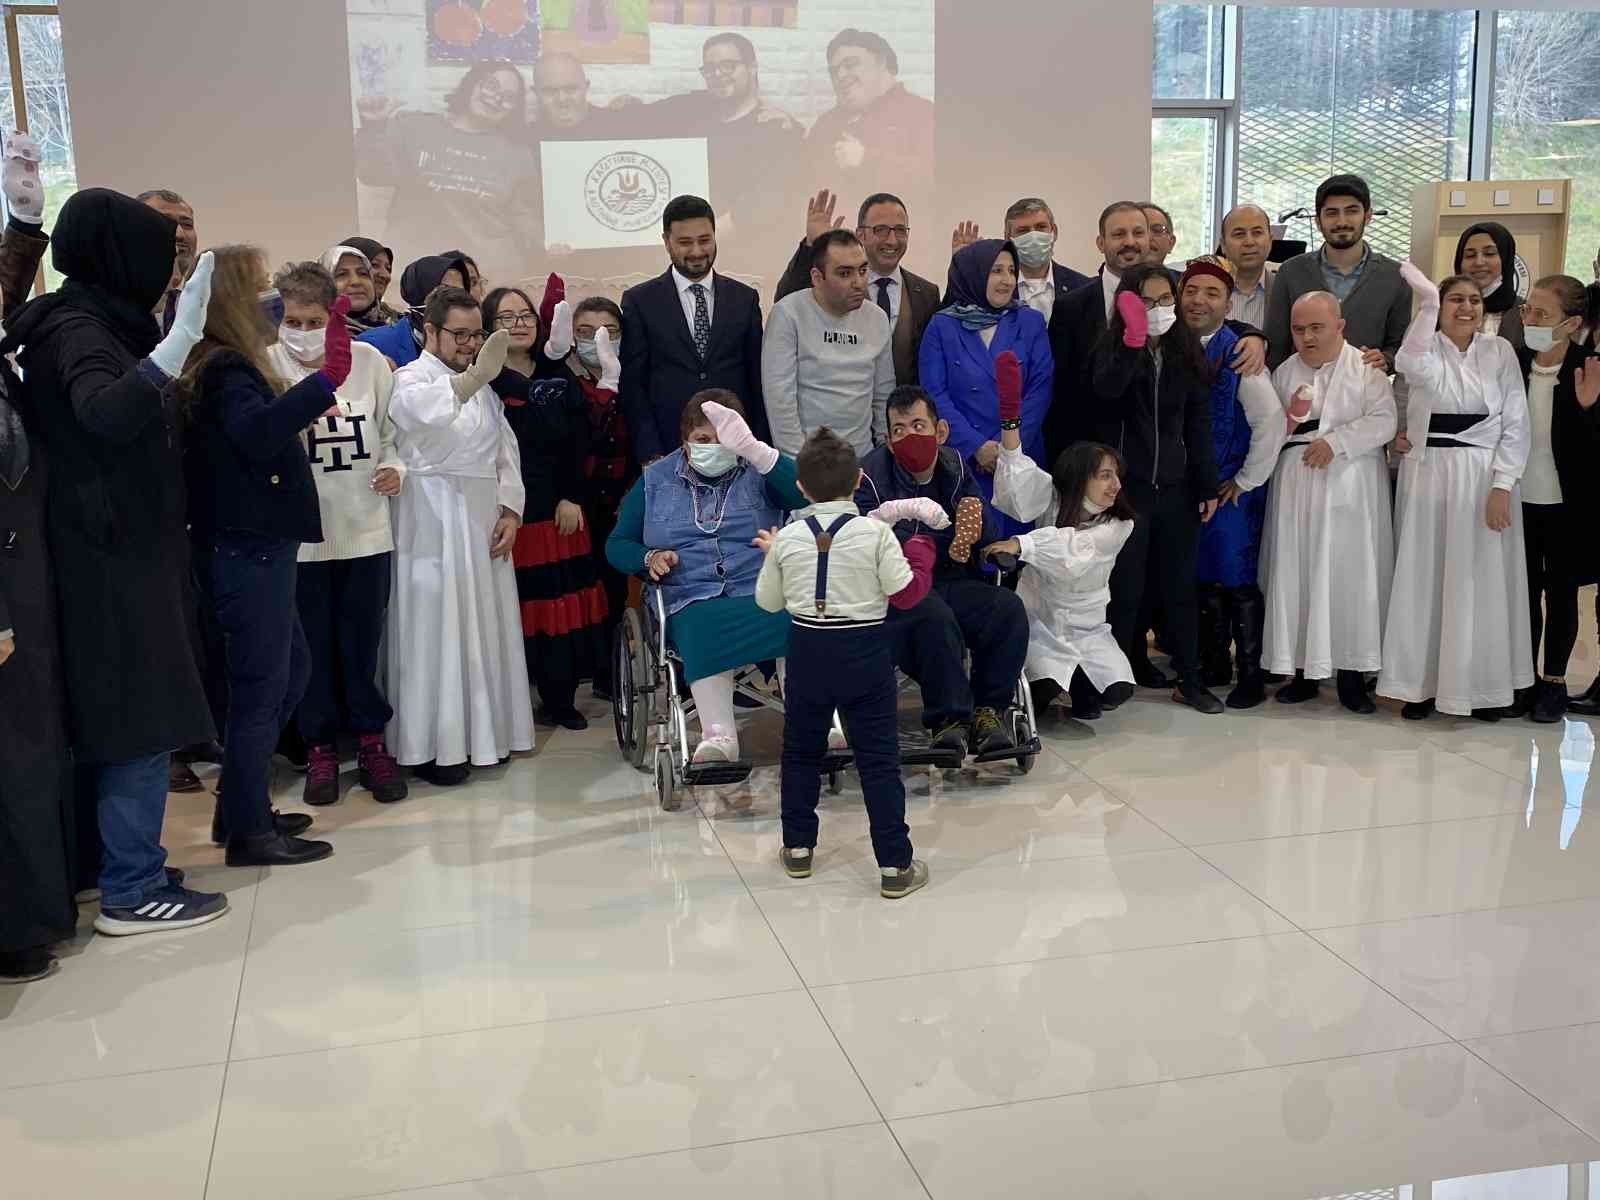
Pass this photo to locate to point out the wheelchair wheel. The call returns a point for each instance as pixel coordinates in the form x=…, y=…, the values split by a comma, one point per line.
x=665, y=791
x=1022, y=731
x=632, y=688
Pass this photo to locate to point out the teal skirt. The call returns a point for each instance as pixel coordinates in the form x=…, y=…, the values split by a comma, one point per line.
x=717, y=635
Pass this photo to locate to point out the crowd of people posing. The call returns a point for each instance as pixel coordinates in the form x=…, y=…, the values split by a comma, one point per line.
x=241, y=501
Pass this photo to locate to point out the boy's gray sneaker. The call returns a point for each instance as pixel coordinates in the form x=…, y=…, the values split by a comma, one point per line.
x=796, y=862
x=904, y=881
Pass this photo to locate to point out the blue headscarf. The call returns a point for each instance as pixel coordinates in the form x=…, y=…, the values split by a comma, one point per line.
x=967, y=288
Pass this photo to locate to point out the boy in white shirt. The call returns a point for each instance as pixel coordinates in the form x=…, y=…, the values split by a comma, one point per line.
x=342, y=588
x=837, y=573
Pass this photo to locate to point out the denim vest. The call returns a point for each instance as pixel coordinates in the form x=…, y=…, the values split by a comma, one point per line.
x=717, y=563
x=1230, y=430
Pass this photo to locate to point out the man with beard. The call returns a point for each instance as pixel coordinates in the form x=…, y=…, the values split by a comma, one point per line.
x=1374, y=300
x=877, y=130
x=884, y=230
x=827, y=358
x=687, y=330
x=752, y=146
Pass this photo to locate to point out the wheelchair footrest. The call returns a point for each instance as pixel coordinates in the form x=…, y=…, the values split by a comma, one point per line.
x=711, y=774
x=1020, y=750
x=926, y=756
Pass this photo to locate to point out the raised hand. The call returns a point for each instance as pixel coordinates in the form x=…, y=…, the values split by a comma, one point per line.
x=1135, y=320
x=1586, y=383
x=819, y=215
x=23, y=191
x=922, y=509
x=188, y=320
x=963, y=235
x=1008, y=386
x=610, y=364
x=1419, y=283
x=559, y=342
x=734, y=433
x=336, y=353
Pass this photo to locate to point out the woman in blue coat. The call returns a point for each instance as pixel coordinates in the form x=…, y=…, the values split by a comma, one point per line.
x=981, y=319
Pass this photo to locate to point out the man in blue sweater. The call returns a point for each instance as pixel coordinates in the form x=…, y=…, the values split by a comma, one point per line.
x=963, y=610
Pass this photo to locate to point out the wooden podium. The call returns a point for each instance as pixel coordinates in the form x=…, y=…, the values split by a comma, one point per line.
x=1534, y=210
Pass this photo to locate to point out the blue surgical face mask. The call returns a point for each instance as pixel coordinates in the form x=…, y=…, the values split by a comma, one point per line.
x=710, y=459
x=1035, y=247
x=588, y=352
x=271, y=302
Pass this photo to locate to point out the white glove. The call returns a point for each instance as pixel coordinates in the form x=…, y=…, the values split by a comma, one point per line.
x=188, y=322
x=1421, y=285
x=486, y=368
x=734, y=433
x=24, y=193
x=610, y=364
x=559, y=343
x=918, y=508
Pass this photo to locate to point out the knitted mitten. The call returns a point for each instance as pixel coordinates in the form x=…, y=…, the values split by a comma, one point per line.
x=969, y=528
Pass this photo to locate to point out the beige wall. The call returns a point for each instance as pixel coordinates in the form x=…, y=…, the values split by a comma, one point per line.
x=243, y=107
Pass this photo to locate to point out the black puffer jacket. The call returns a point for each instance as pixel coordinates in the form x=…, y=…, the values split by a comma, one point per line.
x=1159, y=421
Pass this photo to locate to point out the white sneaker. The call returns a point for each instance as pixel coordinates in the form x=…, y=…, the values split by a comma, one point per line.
x=717, y=744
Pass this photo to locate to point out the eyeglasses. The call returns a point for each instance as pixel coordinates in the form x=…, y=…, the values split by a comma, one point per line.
x=1161, y=229
x=883, y=231
x=1151, y=305
x=714, y=70
x=515, y=320
x=464, y=337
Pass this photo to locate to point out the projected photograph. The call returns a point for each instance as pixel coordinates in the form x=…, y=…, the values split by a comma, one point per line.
x=545, y=135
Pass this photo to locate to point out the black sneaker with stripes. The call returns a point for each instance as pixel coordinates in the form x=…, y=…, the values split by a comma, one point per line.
x=168, y=908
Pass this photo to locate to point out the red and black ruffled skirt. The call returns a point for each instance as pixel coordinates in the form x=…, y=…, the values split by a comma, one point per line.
x=563, y=601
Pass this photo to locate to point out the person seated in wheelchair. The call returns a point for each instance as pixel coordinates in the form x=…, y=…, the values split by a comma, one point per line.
x=689, y=525
x=963, y=610
x=837, y=574
x=1083, y=521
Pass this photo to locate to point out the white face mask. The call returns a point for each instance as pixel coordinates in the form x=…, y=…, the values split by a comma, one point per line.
x=1162, y=318
x=305, y=346
x=711, y=459
x=1035, y=247
x=1539, y=338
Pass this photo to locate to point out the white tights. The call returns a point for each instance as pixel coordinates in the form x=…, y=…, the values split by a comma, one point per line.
x=713, y=701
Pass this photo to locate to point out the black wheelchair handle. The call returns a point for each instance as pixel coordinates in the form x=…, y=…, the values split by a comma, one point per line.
x=1003, y=562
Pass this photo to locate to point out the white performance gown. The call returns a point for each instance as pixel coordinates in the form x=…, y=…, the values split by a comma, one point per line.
x=1458, y=630
x=1067, y=584
x=1327, y=552
x=458, y=676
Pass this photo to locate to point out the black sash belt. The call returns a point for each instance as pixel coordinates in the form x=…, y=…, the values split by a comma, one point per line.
x=1301, y=431
x=1441, y=425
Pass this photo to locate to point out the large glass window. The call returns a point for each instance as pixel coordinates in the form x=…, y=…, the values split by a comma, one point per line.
x=1183, y=179
x=1188, y=58
x=1547, y=114
x=1383, y=93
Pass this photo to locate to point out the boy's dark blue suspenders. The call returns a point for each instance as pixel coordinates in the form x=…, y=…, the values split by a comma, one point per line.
x=824, y=544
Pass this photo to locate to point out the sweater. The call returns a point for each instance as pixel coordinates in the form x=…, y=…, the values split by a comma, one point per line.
x=345, y=452
x=818, y=369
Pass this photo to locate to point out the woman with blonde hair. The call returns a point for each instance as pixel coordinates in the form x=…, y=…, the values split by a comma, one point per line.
x=253, y=501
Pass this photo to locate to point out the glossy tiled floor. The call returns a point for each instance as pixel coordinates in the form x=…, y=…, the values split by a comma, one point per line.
x=1292, y=953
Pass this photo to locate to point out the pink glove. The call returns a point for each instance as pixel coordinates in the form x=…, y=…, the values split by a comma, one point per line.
x=1135, y=321
x=922, y=509
x=920, y=554
x=733, y=433
x=336, y=344
x=1008, y=385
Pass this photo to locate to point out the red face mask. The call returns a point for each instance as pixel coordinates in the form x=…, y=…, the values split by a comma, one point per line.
x=915, y=451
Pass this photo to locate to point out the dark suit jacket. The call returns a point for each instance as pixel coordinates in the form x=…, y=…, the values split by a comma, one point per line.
x=1067, y=280
x=1076, y=323
x=917, y=306
x=661, y=370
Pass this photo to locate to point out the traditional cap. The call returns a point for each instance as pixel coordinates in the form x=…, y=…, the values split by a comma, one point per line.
x=1208, y=264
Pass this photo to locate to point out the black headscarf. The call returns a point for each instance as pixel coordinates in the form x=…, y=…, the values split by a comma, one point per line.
x=1504, y=296
x=369, y=247
x=422, y=276
x=967, y=286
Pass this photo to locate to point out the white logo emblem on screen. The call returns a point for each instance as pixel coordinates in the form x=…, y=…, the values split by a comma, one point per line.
x=628, y=191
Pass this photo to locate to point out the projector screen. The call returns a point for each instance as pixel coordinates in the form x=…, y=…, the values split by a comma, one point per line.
x=542, y=135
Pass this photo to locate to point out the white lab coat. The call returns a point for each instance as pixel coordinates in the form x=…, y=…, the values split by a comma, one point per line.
x=458, y=676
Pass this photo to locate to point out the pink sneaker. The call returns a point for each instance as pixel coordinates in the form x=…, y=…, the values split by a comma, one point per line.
x=322, y=776
x=379, y=773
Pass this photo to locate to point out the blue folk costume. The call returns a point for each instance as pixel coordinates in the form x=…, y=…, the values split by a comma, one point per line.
x=1232, y=608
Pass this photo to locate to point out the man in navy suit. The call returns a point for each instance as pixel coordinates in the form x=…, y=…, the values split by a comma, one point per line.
x=1041, y=281
x=687, y=330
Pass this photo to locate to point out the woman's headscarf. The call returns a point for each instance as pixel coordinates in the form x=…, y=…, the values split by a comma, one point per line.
x=1504, y=296
x=368, y=246
x=368, y=317
x=967, y=288
x=115, y=244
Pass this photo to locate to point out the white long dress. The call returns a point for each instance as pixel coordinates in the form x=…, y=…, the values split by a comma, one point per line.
x=458, y=676
x=1327, y=552
x=1458, y=630
x=1067, y=585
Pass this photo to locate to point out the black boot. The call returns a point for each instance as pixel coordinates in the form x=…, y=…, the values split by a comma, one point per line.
x=1299, y=689
x=1189, y=690
x=1086, y=704
x=274, y=850
x=1549, y=703
x=1586, y=703
x=1353, y=692
x=1215, y=605
x=1249, y=613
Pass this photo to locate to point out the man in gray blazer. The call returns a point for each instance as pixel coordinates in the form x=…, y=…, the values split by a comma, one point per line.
x=1375, y=301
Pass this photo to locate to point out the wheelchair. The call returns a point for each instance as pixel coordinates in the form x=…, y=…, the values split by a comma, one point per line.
x=651, y=710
